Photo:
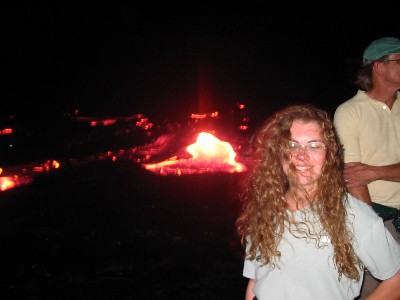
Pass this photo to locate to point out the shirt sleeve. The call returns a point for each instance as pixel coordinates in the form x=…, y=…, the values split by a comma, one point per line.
x=249, y=269
x=381, y=253
x=346, y=121
x=375, y=246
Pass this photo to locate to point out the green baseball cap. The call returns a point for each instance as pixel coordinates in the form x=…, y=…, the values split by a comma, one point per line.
x=382, y=47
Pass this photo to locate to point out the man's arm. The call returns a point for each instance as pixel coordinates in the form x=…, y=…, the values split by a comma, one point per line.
x=389, y=289
x=346, y=121
x=359, y=174
x=361, y=192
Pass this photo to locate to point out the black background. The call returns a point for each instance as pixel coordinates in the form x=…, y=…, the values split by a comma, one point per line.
x=138, y=56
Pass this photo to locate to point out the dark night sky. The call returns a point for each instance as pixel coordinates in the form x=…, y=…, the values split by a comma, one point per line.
x=125, y=57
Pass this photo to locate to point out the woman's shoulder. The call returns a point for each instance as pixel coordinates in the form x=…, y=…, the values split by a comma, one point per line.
x=363, y=220
x=360, y=213
x=358, y=206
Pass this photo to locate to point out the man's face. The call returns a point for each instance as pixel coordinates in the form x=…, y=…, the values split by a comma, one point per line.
x=392, y=70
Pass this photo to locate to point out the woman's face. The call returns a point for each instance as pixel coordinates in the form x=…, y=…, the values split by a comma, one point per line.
x=307, y=154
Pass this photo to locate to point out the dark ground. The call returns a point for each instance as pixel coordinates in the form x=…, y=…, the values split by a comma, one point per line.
x=115, y=231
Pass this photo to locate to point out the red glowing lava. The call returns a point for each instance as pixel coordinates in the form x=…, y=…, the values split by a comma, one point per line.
x=19, y=175
x=209, y=155
x=10, y=182
x=7, y=183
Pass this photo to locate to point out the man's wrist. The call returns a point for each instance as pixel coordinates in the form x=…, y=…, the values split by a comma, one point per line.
x=376, y=173
x=379, y=173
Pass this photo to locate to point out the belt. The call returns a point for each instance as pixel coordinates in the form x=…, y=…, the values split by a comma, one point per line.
x=388, y=213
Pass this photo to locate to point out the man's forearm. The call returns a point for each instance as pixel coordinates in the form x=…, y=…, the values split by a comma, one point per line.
x=359, y=174
x=389, y=173
x=361, y=192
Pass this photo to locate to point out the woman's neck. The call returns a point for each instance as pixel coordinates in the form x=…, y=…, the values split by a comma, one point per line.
x=296, y=201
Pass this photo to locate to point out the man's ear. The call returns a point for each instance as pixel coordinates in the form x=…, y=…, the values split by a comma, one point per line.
x=379, y=68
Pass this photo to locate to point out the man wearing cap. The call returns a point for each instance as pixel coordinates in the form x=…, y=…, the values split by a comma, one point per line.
x=368, y=126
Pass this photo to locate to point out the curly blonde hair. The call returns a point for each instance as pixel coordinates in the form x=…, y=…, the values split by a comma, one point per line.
x=262, y=221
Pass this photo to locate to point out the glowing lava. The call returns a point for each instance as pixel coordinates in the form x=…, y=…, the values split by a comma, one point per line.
x=209, y=155
x=10, y=182
x=21, y=175
x=7, y=183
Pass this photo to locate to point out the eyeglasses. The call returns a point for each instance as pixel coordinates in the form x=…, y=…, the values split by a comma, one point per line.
x=312, y=147
x=389, y=60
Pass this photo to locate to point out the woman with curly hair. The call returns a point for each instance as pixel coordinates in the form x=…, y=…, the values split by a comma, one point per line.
x=305, y=236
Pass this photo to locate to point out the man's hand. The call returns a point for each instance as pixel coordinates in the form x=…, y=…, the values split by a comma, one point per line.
x=358, y=174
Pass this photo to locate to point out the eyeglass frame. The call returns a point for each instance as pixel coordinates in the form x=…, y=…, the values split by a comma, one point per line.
x=306, y=147
x=386, y=60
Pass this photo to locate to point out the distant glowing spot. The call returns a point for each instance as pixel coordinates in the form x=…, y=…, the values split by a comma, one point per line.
x=203, y=116
x=106, y=122
x=38, y=169
x=55, y=164
x=46, y=166
x=7, y=183
x=6, y=131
